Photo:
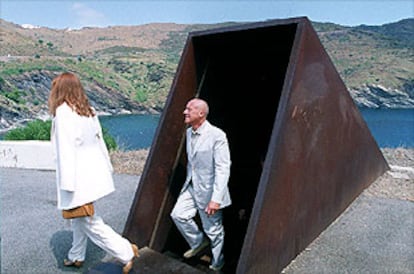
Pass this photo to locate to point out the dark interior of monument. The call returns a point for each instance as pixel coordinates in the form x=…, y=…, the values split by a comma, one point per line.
x=241, y=75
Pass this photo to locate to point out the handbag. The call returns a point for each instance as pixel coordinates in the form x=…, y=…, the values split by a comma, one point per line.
x=80, y=211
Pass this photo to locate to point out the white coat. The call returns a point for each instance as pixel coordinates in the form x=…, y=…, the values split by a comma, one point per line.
x=208, y=166
x=83, y=167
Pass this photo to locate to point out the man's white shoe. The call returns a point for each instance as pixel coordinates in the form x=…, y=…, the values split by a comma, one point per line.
x=192, y=252
x=216, y=267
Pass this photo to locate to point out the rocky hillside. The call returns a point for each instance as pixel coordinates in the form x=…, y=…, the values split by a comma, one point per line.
x=129, y=69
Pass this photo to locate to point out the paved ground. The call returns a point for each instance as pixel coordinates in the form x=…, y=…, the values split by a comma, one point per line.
x=34, y=237
x=374, y=235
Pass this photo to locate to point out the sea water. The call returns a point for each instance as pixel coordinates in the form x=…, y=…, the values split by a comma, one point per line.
x=131, y=131
x=390, y=128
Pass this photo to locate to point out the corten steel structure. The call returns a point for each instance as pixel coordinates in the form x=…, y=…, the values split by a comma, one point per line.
x=301, y=153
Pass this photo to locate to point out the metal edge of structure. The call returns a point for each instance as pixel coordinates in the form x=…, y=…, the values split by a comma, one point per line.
x=323, y=157
x=143, y=217
x=320, y=157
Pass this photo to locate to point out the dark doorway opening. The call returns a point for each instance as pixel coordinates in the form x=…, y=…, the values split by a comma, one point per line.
x=241, y=76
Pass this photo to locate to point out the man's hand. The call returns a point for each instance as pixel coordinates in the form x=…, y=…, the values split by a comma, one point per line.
x=212, y=208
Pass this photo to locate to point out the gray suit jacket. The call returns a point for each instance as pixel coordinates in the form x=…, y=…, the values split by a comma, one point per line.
x=208, y=166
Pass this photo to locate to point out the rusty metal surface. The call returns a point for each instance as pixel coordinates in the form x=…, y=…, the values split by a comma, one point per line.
x=150, y=262
x=301, y=153
x=153, y=262
x=148, y=207
x=322, y=156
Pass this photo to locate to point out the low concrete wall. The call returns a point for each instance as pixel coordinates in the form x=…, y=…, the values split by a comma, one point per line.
x=27, y=154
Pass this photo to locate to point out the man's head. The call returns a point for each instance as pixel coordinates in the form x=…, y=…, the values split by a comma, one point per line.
x=195, y=112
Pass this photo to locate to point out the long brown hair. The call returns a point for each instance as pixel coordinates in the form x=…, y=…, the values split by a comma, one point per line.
x=67, y=87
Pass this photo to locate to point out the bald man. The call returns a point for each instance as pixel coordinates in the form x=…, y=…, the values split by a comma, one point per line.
x=205, y=189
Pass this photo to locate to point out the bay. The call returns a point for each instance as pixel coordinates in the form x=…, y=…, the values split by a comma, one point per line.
x=131, y=131
x=390, y=128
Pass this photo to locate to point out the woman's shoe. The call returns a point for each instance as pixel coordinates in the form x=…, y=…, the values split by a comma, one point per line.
x=67, y=262
x=130, y=264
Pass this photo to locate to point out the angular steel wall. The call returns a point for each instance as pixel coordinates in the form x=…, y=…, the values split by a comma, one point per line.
x=322, y=156
x=301, y=151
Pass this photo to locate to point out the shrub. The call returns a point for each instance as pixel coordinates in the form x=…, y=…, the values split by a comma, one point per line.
x=35, y=130
x=109, y=140
x=40, y=130
x=15, y=95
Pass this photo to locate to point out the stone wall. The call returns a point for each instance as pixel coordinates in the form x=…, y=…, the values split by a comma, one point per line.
x=27, y=154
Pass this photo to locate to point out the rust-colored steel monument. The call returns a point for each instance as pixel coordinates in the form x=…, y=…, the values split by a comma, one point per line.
x=301, y=152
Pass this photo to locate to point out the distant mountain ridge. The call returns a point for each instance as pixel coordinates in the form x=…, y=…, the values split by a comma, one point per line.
x=400, y=32
x=129, y=69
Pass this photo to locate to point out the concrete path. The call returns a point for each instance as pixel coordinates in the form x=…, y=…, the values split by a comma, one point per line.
x=34, y=237
x=374, y=235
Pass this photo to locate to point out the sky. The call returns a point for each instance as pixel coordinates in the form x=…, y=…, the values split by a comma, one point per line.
x=92, y=13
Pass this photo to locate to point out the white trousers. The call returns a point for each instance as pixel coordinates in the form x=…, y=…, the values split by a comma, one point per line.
x=183, y=215
x=100, y=234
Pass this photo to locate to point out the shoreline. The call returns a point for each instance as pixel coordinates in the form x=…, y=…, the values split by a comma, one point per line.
x=397, y=183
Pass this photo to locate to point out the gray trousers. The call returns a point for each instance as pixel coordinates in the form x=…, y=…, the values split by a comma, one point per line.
x=183, y=215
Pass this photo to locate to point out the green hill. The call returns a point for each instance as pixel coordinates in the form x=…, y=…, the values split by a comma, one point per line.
x=129, y=69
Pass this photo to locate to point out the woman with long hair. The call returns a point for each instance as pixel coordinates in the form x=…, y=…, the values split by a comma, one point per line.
x=83, y=170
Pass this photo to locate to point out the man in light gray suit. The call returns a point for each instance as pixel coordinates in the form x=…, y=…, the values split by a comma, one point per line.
x=205, y=189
